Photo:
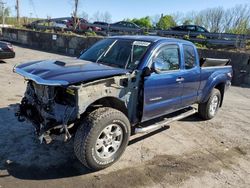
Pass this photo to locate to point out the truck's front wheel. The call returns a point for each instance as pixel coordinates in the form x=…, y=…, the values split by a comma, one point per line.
x=102, y=138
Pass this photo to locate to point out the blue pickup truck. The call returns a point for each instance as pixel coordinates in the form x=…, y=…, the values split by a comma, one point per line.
x=114, y=88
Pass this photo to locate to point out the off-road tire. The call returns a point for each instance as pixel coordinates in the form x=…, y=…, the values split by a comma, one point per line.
x=88, y=132
x=203, y=109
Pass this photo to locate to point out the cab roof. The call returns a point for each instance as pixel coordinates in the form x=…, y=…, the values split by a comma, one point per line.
x=153, y=39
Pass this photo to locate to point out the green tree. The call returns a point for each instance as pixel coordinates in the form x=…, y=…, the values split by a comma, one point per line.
x=166, y=22
x=242, y=28
x=143, y=22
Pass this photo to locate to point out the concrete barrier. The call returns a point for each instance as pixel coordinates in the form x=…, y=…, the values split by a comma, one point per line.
x=62, y=43
x=73, y=45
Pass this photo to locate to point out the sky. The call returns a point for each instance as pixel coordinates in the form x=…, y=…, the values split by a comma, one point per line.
x=119, y=9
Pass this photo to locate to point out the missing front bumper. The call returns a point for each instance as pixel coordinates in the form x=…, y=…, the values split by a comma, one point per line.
x=47, y=128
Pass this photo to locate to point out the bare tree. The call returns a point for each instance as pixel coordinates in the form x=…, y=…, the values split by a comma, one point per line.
x=100, y=16
x=107, y=17
x=211, y=18
x=85, y=15
x=237, y=19
x=228, y=18
x=155, y=19
x=234, y=20
x=178, y=17
x=189, y=18
x=214, y=19
x=96, y=16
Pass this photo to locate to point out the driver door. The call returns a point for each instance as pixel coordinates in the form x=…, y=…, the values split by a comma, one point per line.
x=163, y=88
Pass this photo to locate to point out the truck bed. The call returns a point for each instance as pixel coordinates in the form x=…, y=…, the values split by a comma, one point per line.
x=210, y=73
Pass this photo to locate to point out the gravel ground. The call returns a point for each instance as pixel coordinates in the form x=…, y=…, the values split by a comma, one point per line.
x=188, y=153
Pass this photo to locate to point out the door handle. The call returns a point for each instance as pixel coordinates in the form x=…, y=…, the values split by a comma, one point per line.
x=180, y=79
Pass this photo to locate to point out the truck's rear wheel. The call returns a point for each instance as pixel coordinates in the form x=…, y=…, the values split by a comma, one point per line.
x=102, y=138
x=209, y=109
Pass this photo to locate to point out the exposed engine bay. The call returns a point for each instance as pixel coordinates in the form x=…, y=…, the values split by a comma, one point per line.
x=48, y=107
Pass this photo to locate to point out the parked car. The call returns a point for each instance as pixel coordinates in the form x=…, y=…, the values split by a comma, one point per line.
x=62, y=24
x=125, y=26
x=191, y=28
x=115, y=88
x=105, y=24
x=83, y=25
x=6, y=50
x=101, y=23
x=32, y=25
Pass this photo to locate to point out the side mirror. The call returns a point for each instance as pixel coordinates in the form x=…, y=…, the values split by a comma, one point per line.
x=157, y=66
x=146, y=72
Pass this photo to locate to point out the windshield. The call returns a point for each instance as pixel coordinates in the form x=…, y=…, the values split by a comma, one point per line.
x=120, y=53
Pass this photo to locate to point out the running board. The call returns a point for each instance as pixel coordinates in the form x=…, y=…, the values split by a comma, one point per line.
x=165, y=122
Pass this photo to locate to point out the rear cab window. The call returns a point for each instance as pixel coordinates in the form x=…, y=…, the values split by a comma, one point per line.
x=189, y=56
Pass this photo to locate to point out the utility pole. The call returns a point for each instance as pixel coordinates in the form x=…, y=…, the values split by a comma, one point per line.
x=17, y=12
x=3, y=9
x=76, y=3
x=76, y=7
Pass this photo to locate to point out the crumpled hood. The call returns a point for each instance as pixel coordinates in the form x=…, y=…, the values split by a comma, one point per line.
x=65, y=71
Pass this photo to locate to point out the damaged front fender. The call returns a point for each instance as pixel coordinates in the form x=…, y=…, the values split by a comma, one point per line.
x=125, y=88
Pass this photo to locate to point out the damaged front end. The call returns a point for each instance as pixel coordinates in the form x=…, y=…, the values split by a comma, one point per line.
x=51, y=109
x=58, y=97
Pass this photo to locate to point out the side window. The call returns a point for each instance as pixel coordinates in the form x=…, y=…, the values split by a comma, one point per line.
x=189, y=56
x=168, y=57
x=200, y=29
x=190, y=28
